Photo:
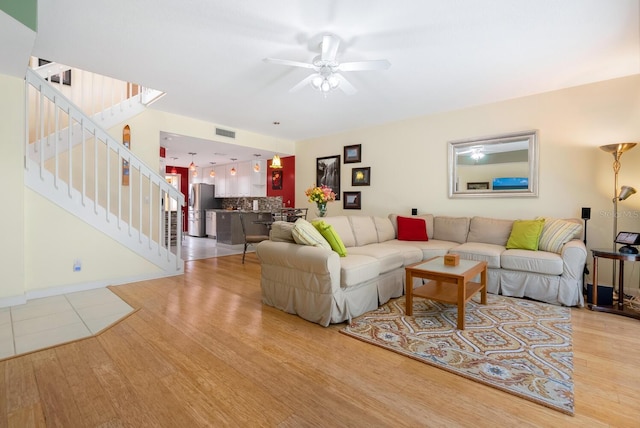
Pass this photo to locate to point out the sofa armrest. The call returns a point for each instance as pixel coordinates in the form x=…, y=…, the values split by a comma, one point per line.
x=574, y=257
x=301, y=266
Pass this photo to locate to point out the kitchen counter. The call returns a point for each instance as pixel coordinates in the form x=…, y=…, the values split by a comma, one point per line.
x=229, y=229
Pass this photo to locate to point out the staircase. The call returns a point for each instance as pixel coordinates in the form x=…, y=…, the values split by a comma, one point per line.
x=71, y=160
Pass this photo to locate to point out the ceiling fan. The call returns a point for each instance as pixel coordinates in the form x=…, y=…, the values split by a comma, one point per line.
x=326, y=76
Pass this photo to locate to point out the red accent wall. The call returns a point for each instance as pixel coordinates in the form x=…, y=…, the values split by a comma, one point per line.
x=184, y=189
x=288, y=171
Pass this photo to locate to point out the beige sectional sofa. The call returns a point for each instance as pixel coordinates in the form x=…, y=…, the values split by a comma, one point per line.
x=320, y=286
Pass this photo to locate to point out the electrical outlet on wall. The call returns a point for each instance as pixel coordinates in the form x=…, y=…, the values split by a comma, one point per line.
x=77, y=265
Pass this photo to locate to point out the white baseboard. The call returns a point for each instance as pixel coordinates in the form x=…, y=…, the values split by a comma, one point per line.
x=73, y=288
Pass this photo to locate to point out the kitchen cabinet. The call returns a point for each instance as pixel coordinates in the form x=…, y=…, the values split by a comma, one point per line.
x=210, y=227
x=231, y=180
x=220, y=181
x=259, y=179
x=229, y=228
x=243, y=178
x=245, y=183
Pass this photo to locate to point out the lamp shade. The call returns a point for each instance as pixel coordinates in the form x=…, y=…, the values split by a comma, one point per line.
x=625, y=192
x=275, y=162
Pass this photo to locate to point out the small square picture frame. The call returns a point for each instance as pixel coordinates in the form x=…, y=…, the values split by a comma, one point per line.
x=353, y=153
x=352, y=200
x=361, y=176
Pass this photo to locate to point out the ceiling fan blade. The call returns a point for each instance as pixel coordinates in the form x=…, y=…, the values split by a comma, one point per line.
x=344, y=85
x=289, y=63
x=304, y=82
x=376, y=64
x=330, y=46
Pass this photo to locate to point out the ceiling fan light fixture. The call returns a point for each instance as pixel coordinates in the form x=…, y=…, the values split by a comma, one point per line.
x=316, y=82
x=333, y=81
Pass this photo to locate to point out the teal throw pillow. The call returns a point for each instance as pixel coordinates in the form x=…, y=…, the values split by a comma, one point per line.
x=329, y=233
x=525, y=234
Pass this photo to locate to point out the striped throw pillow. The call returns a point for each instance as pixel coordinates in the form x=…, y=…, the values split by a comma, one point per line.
x=305, y=234
x=556, y=233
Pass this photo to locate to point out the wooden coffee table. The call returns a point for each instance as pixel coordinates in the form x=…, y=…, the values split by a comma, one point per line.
x=448, y=284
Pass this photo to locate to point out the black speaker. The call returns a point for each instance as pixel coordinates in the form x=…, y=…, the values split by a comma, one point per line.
x=605, y=295
x=586, y=213
x=414, y=211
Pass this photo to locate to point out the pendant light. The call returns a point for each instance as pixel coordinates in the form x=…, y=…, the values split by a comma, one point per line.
x=213, y=172
x=256, y=166
x=233, y=168
x=192, y=166
x=275, y=162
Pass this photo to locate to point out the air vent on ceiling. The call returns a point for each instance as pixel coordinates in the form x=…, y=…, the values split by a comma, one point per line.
x=225, y=133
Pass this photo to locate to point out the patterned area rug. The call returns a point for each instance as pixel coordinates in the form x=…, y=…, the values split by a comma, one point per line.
x=516, y=345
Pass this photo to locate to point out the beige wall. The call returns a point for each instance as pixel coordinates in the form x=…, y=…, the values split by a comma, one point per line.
x=54, y=239
x=408, y=159
x=146, y=128
x=12, y=224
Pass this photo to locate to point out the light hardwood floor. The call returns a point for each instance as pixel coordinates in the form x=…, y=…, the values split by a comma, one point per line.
x=203, y=351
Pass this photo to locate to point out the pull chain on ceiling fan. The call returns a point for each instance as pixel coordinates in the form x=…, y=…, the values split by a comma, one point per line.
x=326, y=76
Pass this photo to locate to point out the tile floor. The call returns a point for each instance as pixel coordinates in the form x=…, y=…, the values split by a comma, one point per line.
x=49, y=321
x=194, y=248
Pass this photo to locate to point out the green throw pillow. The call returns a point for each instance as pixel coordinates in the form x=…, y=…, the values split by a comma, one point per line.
x=329, y=233
x=525, y=234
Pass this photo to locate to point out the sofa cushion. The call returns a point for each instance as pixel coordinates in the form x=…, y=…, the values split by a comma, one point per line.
x=532, y=261
x=388, y=257
x=430, y=249
x=556, y=233
x=342, y=226
x=489, y=230
x=412, y=229
x=364, y=229
x=305, y=234
x=480, y=252
x=356, y=269
x=525, y=234
x=410, y=253
x=328, y=232
x=385, y=229
x=281, y=231
x=453, y=229
x=428, y=218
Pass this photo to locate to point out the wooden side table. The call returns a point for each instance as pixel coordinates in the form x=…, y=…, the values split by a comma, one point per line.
x=617, y=307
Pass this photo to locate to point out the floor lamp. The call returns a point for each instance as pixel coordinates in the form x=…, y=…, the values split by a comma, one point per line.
x=617, y=150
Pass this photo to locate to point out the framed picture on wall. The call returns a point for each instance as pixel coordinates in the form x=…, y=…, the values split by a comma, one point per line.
x=481, y=185
x=276, y=180
x=361, y=176
x=328, y=173
x=353, y=154
x=351, y=201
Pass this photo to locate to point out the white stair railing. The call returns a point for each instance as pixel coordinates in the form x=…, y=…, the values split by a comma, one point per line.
x=75, y=163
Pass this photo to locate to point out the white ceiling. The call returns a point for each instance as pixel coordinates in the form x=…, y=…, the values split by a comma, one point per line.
x=207, y=55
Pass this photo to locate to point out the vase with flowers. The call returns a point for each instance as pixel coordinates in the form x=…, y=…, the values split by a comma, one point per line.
x=320, y=195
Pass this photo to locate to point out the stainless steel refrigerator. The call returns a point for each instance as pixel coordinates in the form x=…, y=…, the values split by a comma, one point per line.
x=201, y=198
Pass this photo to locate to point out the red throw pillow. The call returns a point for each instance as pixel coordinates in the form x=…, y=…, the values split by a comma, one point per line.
x=412, y=229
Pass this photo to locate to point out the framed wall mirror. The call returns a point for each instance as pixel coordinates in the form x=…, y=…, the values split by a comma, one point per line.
x=499, y=166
